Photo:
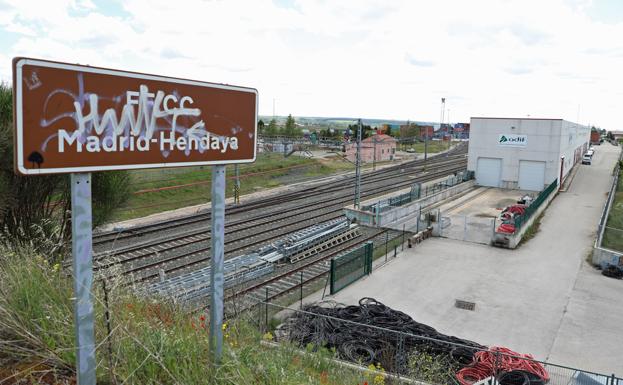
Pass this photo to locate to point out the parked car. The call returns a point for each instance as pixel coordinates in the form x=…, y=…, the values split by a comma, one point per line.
x=587, y=159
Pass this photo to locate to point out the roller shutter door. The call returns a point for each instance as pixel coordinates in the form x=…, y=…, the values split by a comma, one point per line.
x=489, y=172
x=531, y=175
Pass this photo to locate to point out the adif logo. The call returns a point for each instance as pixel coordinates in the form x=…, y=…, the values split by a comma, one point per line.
x=513, y=140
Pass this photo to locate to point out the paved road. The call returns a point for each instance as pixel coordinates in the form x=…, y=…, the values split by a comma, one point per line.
x=542, y=298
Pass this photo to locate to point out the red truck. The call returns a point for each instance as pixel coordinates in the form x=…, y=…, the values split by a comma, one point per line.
x=595, y=137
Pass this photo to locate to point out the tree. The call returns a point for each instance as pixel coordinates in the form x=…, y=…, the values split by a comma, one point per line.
x=366, y=131
x=35, y=209
x=260, y=126
x=272, y=129
x=291, y=129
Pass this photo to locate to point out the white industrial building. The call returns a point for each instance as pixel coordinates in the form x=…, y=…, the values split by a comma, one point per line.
x=526, y=154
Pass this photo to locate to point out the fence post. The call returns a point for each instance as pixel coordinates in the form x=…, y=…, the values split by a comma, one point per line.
x=266, y=313
x=369, y=252
x=301, y=290
x=496, y=365
x=332, y=277
x=398, y=355
x=386, y=244
x=403, y=236
x=493, y=229
x=395, y=248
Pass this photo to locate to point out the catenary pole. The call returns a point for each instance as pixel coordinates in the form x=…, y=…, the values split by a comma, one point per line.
x=358, y=167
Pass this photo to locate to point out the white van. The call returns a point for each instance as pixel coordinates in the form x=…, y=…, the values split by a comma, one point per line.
x=587, y=159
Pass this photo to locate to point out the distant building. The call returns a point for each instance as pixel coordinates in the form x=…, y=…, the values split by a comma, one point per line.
x=384, y=145
x=461, y=130
x=618, y=135
x=416, y=131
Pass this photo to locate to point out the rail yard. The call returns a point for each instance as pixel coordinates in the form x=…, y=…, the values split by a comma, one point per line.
x=161, y=251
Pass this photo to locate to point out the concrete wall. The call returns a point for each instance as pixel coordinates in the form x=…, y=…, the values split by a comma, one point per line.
x=386, y=218
x=547, y=140
x=512, y=240
x=604, y=257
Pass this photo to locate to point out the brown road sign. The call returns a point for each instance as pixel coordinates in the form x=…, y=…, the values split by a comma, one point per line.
x=72, y=118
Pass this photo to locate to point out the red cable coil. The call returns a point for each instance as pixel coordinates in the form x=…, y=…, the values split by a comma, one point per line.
x=504, y=360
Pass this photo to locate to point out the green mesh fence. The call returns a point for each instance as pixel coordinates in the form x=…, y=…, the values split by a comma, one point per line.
x=349, y=267
x=418, y=191
x=534, y=206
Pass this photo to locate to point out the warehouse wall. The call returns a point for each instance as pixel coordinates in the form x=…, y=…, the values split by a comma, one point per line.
x=543, y=144
x=574, y=140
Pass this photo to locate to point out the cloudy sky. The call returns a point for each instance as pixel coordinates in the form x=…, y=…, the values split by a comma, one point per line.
x=356, y=58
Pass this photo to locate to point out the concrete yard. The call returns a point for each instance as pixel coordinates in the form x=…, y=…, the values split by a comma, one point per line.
x=542, y=298
x=484, y=202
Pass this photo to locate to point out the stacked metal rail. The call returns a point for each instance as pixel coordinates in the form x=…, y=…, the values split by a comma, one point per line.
x=299, y=241
x=237, y=270
x=196, y=284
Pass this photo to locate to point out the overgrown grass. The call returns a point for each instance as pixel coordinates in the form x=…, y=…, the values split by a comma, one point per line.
x=433, y=146
x=613, y=234
x=273, y=170
x=149, y=194
x=150, y=343
x=533, y=229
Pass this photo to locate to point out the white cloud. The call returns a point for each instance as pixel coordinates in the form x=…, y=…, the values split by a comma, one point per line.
x=391, y=59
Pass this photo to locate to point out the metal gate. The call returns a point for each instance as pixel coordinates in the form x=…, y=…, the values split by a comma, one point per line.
x=467, y=228
x=348, y=268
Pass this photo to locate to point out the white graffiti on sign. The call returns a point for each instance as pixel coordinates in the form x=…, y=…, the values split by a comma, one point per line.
x=138, y=132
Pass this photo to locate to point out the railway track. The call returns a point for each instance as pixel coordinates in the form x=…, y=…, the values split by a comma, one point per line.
x=117, y=239
x=182, y=252
x=181, y=245
x=286, y=281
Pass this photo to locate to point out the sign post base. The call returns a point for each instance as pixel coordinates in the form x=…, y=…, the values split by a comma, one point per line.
x=82, y=253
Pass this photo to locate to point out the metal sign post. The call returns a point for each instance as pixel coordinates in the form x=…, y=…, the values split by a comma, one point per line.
x=82, y=252
x=127, y=120
x=216, y=272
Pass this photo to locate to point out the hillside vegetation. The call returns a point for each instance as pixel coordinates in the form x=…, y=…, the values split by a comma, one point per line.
x=148, y=342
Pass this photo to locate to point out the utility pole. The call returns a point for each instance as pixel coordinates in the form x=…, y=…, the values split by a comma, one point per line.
x=237, y=185
x=449, y=135
x=374, y=155
x=358, y=167
x=443, y=110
